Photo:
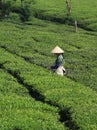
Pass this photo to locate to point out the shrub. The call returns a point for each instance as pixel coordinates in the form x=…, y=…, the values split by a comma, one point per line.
x=14, y=17
x=24, y=13
x=5, y=9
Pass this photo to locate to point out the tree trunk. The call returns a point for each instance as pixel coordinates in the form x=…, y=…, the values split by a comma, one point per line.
x=1, y=7
x=22, y=3
x=0, y=4
x=68, y=3
x=75, y=25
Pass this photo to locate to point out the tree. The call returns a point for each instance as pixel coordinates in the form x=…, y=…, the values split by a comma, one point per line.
x=0, y=4
x=4, y=8
x=22, y=3
x=75, y=25
x=1, y=7
x=69, y=7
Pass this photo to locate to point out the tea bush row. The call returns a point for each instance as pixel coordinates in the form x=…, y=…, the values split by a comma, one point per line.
x=62, y=91
x=57, y=12
x=25, y=113
x=19, y=110
x=35, y=42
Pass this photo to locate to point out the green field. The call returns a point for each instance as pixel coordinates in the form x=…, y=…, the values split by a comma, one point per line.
x=32, y=96
x=83, y=11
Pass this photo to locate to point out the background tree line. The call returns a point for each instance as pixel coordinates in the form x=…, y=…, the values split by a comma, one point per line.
x=8, y=6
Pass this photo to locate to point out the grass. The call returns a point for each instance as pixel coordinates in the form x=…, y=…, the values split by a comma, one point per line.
x=19, y=110
x=80, y=54
x=31, y=93
x=83, y=11
x=62, y=92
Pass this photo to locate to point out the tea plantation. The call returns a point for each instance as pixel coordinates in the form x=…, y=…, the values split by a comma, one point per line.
x=32, y=96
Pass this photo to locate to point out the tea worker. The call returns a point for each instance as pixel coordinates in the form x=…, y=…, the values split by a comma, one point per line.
x=59, y=57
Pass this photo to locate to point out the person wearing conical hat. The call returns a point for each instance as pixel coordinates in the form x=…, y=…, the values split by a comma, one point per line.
x=60, y=59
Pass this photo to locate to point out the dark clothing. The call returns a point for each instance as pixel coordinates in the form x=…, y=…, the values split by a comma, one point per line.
x=59, y=62
x=54, y=67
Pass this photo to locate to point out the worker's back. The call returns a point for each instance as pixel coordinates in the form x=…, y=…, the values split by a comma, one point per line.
x=60, y=60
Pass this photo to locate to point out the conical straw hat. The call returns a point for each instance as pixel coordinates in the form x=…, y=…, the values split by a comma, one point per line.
x=57, y=49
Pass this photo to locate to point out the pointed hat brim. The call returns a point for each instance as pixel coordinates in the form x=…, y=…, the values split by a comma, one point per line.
x=56, y=50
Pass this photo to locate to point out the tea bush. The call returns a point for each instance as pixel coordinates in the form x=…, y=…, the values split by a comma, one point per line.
x=25, y=59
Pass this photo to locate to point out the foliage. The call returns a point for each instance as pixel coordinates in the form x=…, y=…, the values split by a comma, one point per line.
x=55, y=9
x=19, y=110
x=9, y=7
x=25, y=60
x=5, y=8
x=24, y=14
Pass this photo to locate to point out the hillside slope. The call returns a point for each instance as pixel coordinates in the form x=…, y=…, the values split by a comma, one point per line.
x=32, y=96
x=25, y=55
x=82, y=11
